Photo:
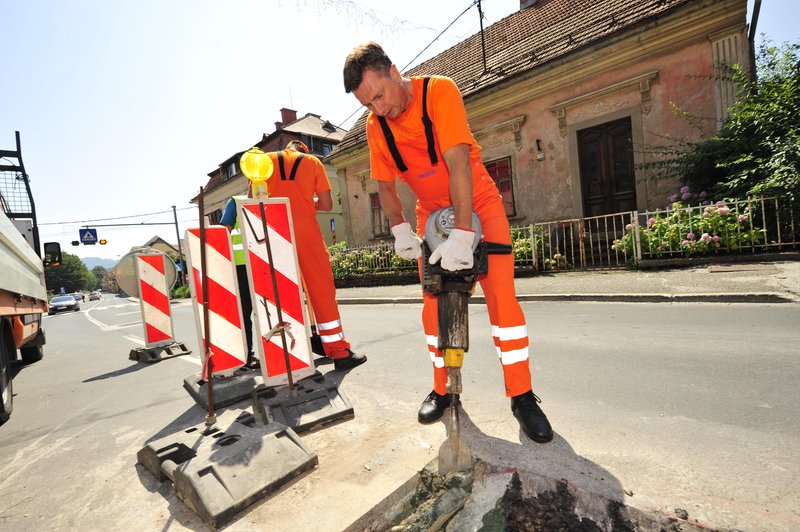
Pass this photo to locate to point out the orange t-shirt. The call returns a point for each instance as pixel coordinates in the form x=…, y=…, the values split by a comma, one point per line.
x=431, y=184
x=309, y=179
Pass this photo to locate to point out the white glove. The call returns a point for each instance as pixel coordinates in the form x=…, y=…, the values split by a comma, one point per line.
x=406, y=242
x=456, y=251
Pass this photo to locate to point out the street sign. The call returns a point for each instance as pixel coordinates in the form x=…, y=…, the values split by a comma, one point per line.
x=88, y=236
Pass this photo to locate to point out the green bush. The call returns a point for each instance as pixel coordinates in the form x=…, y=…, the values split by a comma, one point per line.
x=181, y=292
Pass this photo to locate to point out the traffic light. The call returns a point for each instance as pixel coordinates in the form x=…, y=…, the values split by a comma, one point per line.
x=102, y=241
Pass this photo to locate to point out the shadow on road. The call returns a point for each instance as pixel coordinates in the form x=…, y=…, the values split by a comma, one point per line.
x=119, y=372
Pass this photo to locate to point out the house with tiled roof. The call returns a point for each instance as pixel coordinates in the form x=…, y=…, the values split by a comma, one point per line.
x=567, y=98
x=321, y=137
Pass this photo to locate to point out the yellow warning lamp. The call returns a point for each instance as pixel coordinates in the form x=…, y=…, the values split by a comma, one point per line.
x=257, y=166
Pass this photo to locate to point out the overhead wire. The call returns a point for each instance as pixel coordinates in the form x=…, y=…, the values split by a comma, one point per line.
x=118, y=217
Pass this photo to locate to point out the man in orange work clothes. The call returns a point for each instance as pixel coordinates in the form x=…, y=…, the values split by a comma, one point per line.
x=417, y=130
x=300, y=176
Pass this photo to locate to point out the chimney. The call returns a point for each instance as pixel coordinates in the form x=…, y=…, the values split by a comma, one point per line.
x=526, y=3
x=288, y=115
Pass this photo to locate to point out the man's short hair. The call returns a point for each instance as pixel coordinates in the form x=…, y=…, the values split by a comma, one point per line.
x=369, y=55
x=297, y=145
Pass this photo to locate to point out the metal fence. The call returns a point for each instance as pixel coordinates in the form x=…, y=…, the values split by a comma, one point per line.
x=620, y=240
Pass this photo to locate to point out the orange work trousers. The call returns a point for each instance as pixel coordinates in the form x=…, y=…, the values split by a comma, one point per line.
x=505, y=315
x=315, y=267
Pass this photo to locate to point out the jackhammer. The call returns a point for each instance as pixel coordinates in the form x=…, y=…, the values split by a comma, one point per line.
x=453, y=289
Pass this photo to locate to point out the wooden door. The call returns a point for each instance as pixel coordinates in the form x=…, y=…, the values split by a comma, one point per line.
x=606, y=165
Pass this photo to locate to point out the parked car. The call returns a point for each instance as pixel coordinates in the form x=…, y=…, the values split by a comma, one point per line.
x=63, y=304
x=93, y=296
x=79, y=296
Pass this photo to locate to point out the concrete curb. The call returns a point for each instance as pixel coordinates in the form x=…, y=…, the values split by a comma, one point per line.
x=755, y=297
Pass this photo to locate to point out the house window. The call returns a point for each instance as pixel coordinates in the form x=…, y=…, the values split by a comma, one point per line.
x=215, y=217
x=500, y=170
x=380, y=224
x=231, y=170
x=326, y=149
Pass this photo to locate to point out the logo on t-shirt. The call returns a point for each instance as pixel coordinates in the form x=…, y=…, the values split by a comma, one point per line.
x=428, y=173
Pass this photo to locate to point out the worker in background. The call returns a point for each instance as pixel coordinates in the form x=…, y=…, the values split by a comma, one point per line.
x=417, y=130
x=300, y=177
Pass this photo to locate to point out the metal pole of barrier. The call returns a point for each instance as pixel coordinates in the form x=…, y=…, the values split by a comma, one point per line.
x=288, y=361
x=211, y=418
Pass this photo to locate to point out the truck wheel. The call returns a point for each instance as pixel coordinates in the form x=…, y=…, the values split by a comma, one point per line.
x=6, y=387
x=31, y=354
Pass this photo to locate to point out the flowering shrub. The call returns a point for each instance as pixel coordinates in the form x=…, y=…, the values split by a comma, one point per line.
x=346, y=262
x=523, y=249
x=702, y=229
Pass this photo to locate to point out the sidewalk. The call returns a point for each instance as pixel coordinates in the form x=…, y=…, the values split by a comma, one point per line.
x=723, y=282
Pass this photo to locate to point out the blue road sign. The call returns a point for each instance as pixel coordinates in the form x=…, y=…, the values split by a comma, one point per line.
x=88, y=236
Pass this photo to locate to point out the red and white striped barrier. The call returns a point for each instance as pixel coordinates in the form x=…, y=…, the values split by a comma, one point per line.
x=287, y=273
x=228, y=345
x=154, y=299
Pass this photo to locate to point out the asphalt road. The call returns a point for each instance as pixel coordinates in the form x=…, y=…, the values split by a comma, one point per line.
x=688, y=406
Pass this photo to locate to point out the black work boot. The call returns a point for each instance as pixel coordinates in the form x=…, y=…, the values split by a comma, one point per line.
x=531, y=418
x=433, y=407
x=349, y=362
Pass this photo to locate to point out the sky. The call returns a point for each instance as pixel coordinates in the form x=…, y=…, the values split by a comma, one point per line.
x=124, y=107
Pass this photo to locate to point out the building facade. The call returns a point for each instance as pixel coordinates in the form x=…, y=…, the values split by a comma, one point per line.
x=319, y=135
x=568, y=98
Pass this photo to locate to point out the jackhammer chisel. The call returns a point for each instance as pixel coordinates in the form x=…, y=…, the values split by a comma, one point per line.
x=453, y=290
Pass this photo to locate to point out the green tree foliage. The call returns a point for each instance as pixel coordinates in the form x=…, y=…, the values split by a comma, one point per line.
x=99, y=273
x=72, y=275
x=757, y=151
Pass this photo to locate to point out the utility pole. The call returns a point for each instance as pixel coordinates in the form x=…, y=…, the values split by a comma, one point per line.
x=182, y=272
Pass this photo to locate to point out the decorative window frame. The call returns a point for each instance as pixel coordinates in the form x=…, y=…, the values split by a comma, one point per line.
x=643, y=82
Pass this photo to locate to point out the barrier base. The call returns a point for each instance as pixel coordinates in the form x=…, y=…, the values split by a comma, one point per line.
x=226, y=390
x=317, y=403
x=150, y=355
x=218, y=471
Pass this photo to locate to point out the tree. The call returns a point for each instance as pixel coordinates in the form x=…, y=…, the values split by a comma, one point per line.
x=72, y=275
x=757, y=151
x=99, y=273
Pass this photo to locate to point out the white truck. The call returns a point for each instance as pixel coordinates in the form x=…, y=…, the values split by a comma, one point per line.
x=23, y=296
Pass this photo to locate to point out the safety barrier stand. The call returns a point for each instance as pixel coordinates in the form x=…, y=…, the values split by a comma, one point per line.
x=154, y=302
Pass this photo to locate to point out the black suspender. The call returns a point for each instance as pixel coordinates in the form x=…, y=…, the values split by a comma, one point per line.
x=387, y=132
x=426, y=121
x=294, y=166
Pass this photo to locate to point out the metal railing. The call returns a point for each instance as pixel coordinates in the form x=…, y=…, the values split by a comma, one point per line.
x=574, y=244
x=620, y=240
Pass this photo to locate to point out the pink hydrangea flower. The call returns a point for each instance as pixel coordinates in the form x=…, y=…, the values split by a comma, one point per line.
x=685, y=243
x=703, y=194
x=690, y=236
x=684, y=190
x=706, y=215
x=650, y=222
x=628, y=227
x=715, y=238
x=742, y=217
x=722, y=211
x=673, y=198
x=721, y=203
x=705, y=237
x=686, y=196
